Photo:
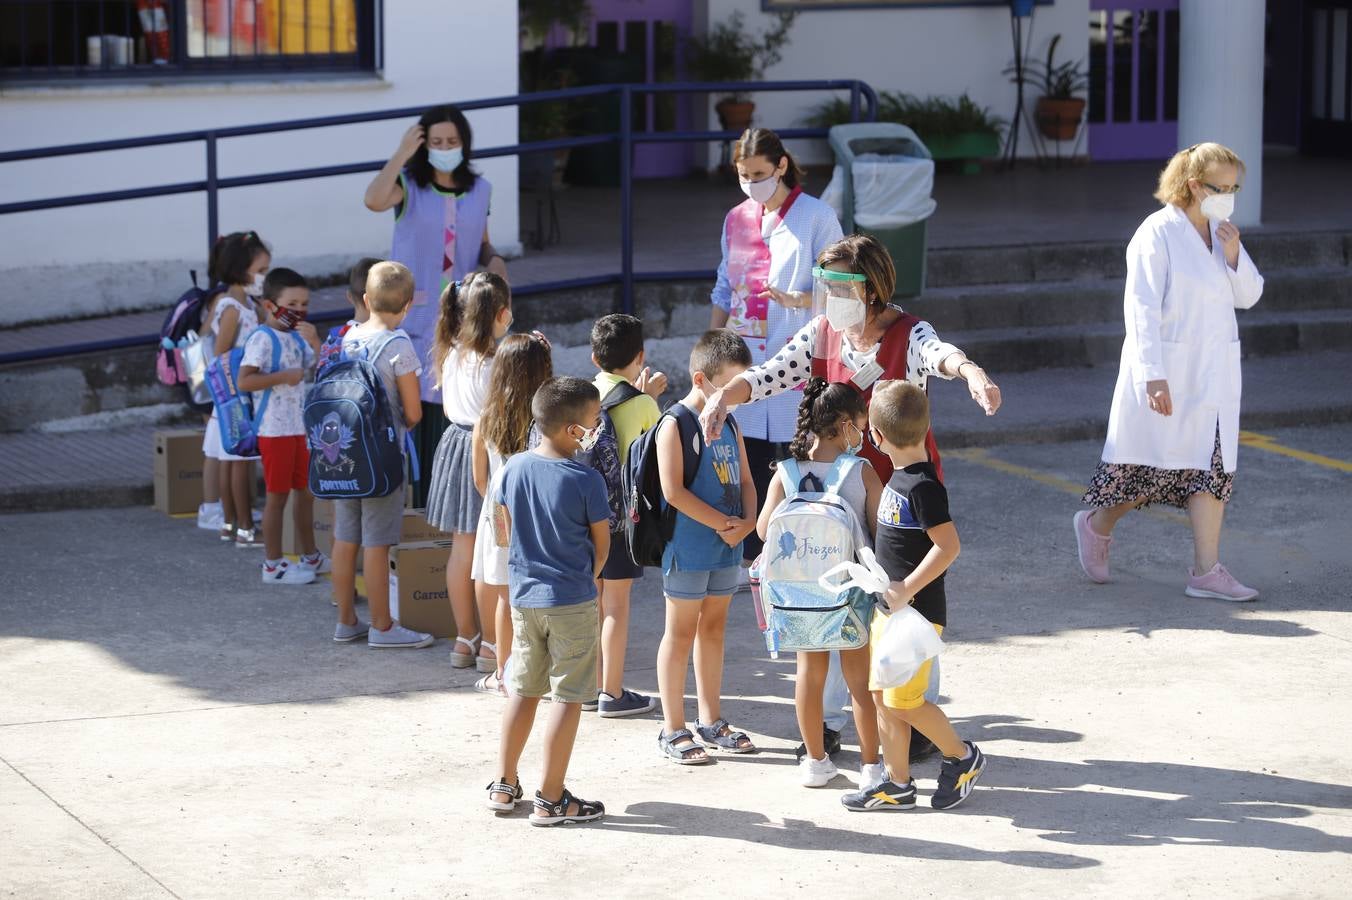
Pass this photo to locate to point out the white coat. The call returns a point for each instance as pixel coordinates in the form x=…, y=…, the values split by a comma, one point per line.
x=1180, y=307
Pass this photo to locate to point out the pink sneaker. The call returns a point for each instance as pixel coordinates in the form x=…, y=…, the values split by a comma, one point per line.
x=1218, y=584
x=1093, y=548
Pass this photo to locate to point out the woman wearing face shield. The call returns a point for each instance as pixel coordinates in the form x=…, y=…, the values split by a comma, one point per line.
x=855, y=335
x=764, y=288
x=440, y=233
x=1173, y=430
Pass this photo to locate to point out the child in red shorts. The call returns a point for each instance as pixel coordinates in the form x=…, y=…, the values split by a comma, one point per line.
x=276, y=358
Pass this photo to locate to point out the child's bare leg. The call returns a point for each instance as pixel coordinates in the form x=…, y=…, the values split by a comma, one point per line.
x=854, y=666
x=930, y=721
x=345, y=581
x=518, y=716
x=303, y=514
x=211, y=485
x=560, y=733
x=459, y=585
x=226, y=491
x=274, y=510
x=895, y=735
x=376, y=562
x=713, y=621
x=673, y=656
x=807, y=700
x=486, y=600
x=239, y=490
x=614, y=633
x=503, y=621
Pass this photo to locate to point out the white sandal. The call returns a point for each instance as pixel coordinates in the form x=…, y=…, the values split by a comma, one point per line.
x=487, y=663
x=465, y=660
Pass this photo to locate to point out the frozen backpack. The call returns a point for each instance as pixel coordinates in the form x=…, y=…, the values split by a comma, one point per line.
x=812, y=531
x=238, y=416
x=605, y=456
x=355, y=449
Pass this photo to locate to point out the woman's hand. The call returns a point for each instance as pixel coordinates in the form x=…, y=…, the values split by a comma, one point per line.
x=1228, y=235
x=409, y=144
x=787, y=299
x=984, y=391
x=1157, y=394
x=714, y=415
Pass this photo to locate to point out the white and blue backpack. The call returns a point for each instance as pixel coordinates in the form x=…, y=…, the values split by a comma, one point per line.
x=811, y=532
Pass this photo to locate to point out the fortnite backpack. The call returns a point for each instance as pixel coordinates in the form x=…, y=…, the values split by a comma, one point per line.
x=355, y=449
x=810, y=532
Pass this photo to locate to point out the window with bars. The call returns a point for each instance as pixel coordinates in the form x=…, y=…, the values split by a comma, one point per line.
x=76, y=39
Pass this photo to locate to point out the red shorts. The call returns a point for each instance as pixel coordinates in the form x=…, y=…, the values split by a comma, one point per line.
x=286, y=463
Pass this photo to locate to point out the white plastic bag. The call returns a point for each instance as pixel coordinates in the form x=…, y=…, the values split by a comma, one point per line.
x=867, y=575
x=908, y=639
x=892, y=191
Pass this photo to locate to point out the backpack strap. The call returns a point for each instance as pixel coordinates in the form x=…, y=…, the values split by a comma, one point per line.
x=841, y=469
x=619, y=394
x=267, y=394
x=791, y=475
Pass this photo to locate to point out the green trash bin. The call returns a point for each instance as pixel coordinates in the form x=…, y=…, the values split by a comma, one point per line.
x=895, y=167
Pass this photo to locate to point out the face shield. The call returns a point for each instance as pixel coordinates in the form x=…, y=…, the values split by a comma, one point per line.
x=840, y=297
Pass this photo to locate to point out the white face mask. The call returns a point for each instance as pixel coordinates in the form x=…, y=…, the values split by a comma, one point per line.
x=445, y=160
x=844, y=313
x=762, y=190
x=255, y=289
x=1218, y=207
x=587, y=442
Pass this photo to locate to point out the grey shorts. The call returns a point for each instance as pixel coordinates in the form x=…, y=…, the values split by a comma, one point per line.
x=372, y=522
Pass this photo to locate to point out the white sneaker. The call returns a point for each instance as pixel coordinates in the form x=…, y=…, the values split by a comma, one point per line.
x=320, y=565
x=398, y=637
x=210, y=517
x=285, y=573
x=816, y=772
x=870, y=776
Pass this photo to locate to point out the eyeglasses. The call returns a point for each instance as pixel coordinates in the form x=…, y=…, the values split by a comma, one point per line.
x=1217, y=189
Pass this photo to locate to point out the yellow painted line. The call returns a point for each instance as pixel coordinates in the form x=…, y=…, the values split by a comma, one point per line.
x=1264, y=442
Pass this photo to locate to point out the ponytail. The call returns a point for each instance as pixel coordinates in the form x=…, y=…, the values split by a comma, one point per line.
x=468, y=312
x=824, y=405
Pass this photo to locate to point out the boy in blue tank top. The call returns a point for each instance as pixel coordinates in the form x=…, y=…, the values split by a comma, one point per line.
x=702, y=559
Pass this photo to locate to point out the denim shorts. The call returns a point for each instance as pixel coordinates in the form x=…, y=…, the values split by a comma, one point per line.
x=683, y=584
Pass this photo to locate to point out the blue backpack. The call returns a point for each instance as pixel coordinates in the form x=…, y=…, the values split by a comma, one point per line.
x=355, y=452
x=239, y=420
x=605, y=456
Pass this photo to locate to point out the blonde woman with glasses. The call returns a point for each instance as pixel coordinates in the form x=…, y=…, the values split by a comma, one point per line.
x=1173, y=431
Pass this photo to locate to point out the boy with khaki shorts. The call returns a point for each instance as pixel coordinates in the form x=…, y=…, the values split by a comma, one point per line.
x=553, y=515
x=916, y=542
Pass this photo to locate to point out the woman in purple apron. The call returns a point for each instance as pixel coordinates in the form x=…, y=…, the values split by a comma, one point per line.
x=764, y=290
x=441, y=233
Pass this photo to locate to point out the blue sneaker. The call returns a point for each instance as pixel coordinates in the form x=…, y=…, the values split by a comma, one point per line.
x=886, y=797
x=346, y=634
x=628, y=703
x=958, y=777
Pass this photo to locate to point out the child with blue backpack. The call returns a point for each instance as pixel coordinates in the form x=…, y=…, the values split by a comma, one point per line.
x=715, y=510
x=242, y=262
x=475, y=314
x=277, y=357
x=832, y=419
x=375, y=523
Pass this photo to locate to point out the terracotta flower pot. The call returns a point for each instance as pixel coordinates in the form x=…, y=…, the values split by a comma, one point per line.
x=735, y=115
x=1059, y=119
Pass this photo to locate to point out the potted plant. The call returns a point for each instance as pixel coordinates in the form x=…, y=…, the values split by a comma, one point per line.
x=1058, y=111
x=729, y=53
x=538, y=18
x=951, y=129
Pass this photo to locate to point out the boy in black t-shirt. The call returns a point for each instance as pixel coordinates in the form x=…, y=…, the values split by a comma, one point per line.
x=916, y=542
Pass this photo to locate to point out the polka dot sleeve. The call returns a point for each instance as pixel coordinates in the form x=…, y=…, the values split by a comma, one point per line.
x=925, y=353
x=788, y=368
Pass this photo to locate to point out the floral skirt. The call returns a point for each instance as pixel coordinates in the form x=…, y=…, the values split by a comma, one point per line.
x=1117, y=483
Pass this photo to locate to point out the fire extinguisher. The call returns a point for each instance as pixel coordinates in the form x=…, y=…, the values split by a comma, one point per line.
x=155, y=26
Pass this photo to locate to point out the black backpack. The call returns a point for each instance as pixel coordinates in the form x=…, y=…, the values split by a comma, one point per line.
x=605, y=456
x=648, y=527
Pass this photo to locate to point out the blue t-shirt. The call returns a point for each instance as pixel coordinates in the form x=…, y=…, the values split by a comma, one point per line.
x=553, y=503
x=718, y=482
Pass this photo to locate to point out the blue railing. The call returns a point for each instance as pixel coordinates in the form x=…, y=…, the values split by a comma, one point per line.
x=863, y=107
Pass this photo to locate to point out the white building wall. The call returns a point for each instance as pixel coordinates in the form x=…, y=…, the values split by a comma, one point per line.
x=135, y=254
x=922, y=51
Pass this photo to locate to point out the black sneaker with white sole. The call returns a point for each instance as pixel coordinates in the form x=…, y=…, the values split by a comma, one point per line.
x=886, y=797
x=629, y=703
x=958, y=777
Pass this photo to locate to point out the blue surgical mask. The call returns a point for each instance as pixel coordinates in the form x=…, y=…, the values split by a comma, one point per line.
x=445, y=160
x=853, y=448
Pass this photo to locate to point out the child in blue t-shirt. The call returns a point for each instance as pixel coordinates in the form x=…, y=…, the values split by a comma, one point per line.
x=553, y=515
x=703, y=558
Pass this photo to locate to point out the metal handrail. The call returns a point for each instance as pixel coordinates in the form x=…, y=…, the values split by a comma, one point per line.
x=863, y=106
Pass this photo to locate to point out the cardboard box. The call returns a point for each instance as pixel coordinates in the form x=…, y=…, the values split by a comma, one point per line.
x=323, y=520
x=178, y=470
x=417, y=531
x=418, y=597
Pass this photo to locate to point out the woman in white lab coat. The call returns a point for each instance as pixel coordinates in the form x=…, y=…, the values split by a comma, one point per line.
x=1173, y=432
